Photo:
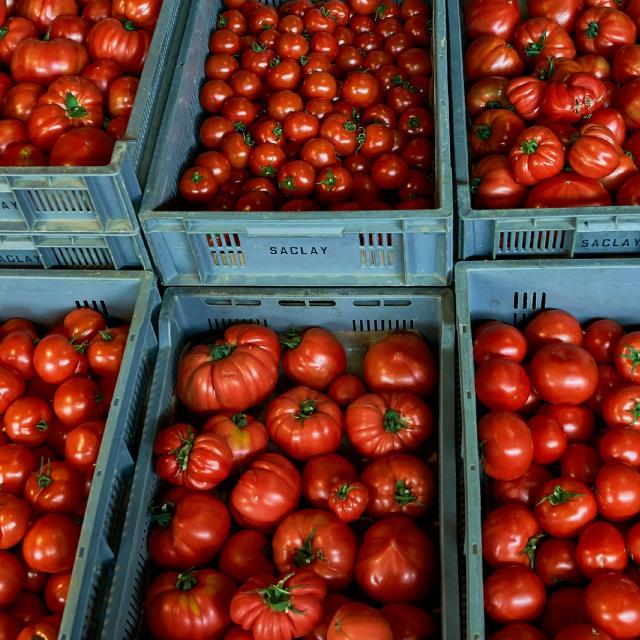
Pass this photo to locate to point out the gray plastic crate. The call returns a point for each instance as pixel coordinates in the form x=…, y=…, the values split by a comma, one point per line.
x=282, y=248
x=187, y=312
x=60, y=251
x=99, y=199
x=45, y=298
x=511, y=291
x=511, y=233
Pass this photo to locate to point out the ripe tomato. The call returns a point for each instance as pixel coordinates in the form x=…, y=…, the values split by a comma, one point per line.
x=502, y=385
x=621, y=408
x=549, y=439
x=56, y=591
x=354, y=620
x=246, y=554
x=11, y=388
x=50, y=543
x=396, y=562
x=12, y=33
x=21, y=100
x=577, y=422
x=106, y=350
x=580, y=462
x=600, y=339
x=601, y=548
x=11, y=578
x=321, y=474
x=555, y=562
x=83, y=323
x=487, y=93
x=12, y=131
x=505, y=17
x=348, y=500
x=617, y=491
x=613, y=604
x=122, y=42
x=204, y=381
x=493, y=339
x=266, y=493
x=514, y=594
x=381, y=424
x=198, y=185
x=43, y=61
x=564, y=608
x=42, y=12
x=190, y=530
x=85, y=146
x=292, y=605
x=537, y=154
x=604, y=30
x=142, y=14
x=27, y=420
x=77, y=400
x=495, y=131
x=626, y=356
x=493, y=185
x=14, y=520
x=192, y=604
x=490, y=55
x=565, y=506
x=198, y=462
x=544, y=39
x=344, y=390
x=82, y=445
x=595, y=153
x=9, y=626
x=56, y=489
x=579, y=95
x=16, y=464
x=564, y=12
x=121, y=96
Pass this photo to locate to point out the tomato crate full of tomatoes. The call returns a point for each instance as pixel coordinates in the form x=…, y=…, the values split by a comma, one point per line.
x=546, y=131
x=76, y=356
x=83, y=84
x=305, y=142
x=234, y=467
x=551, y=448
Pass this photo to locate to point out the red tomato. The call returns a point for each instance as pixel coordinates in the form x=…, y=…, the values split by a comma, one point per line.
x=85, y=146
x=16, y=464
x=493, y=185
x=565, y=506
x=490, y=55
x=266, y=493
x=27, y=420
x=553, y=326
x=344, y=390
x=43, y=61
x=142, y=14
x=556, y=562
x=14, y=520
x=82, y=445
x=578, y=422
x=601, y=548
x=603, y=30
x=56, y=489
x=348, y=500
x=121, y=96
x=564, y=608
x=519, y=631
x=77, y=400
x=354, y=620
x=613, y=604
x=396, y=562
x=549, y=439
x=190, y=531
x=579, y=95
x=11, y=578
x=50, y=544
x=627, y=101
x=536, y=155
x=495, y=131
x=42, y=12
x=626, y=356
x=544, y=39
x=621, y=408
x=12, y=33
x=629, y=193
x=56, y=591
x=9, y=626
x=196, y=603
x=332, y=603
x=122, y=42
x=321, y=474
x=488, y=93
x=600, y=339
x=595, y=153
x=502, y=385
x=198, y=462
x=564, y=12
x=617, y=491
x=514, y=594
x=580, y=462
x=246, y=554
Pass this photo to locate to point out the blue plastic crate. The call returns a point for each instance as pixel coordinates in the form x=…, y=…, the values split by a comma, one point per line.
x=99, y=199
x=512, y=291
x=45, y=298
x=60, y=251
x=283, y=248
x=513, y=233
x=187, y=312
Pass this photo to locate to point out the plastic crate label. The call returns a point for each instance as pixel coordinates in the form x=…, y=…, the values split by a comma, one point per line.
x=607, y=242
x=288, y=250
x=20, y=259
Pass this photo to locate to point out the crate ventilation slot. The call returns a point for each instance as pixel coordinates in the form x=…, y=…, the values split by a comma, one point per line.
x=524, y=303
x=93, y=304
x=382, y=325
x=532, y=242
x=82, y=257
x=226, y=250
x=376, y=250
x=61, y=201
x=219, y=324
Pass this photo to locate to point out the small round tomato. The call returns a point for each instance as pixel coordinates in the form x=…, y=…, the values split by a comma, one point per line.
x=522, y=490
x=617, y=491
x=77, y=400
x=345, y=389
x=555, y=562
x=626, y=356
x=50, y=544
x=502, y=385
x=56, y=591
x=601, y=548
x=321, y=474
x=82, y=445
x=246, y=554
x=514, y=594
x=14, y=520
x=390, y=171
x=56, y=489
x=11, y=578
x=549, y=439
x=621, y=408
x=27, y=420
x=612, y=603
x=296, y=179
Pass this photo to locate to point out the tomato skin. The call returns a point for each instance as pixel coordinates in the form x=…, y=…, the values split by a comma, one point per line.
x=56, y=591
x=495, y=131
x=16, y=464
x=549, y=439
x=564, y=506
x=514, y=594
x=11, y=578
x=507, y=445
x=396, y=562
x=191, y=531
x=14, y=520
x=490, y=55
x=601, y=548
x=612, y=604
x=320, y=475
x=498, y=339
x=617, y=491
x=192, y=604
x=27, y=419
x=344, y=390
x=620, y=407
x=595, y=153
x=542, y=39
x=246, y=554
x=564, y=608
x=493, y=185
x=603, y=30
x=354, y=620
x=303, y=590
x=278, y=484
x=82, y=446
x=43, y=61
x=502, y=385
x=12, y=33
x=600, y=339
x=56, y=489
x=564, y=12
x=143, y=14
x=627, y=101
x=82, y=147
x=487, y=93
x=50, y=544
x=42, y=12
x=126, y=45
x=556, y=562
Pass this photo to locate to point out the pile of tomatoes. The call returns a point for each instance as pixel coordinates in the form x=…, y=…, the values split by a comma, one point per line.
x=561, y=448
x=553, y=102
x=69, y=73
x=55, y=392
x=316, y=105
x=309, y=518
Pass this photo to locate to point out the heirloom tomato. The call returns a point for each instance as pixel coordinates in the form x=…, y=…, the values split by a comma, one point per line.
x=595, y=153
x=42, y=12
x=491, y=56
x=355, y=620
x=245, y=554
x=495, y=131
x=568, y=101
x=56, y=489
x=604, y=30
x=122, y=42
x=12, y=33
x=567, y=189
x=82, y=147
x=321, y=474
x=43, y=61
x=542, y=38
x=564, y=12
x=536, y=155
x=143, y=13
x=247, y=438
x=525, y=94
x=504, y=18
x=493, y=185
x=348, y=500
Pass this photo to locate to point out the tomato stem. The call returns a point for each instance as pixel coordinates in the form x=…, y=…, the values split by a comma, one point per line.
x=186, y=580
x=106, y=335
x=534, y=48
x=129, y=25
x=240, y=420
x=530, y=549
x=277, y=597
x=404, y=495
x=44, y=477
x=291, y=340
x=305, y=554
x=592, y=30
x=163, y=514
x=483, y=131
x=475, y=185
x=343, y=491
x=182, y=453
x=393, y=421
x=220, y=351
x=559, y=496
x=308, y=408
x=3, y=32
x=73, y=107
x=529, y=146
x=330, y=181
x=42, y=426
x=633, y=356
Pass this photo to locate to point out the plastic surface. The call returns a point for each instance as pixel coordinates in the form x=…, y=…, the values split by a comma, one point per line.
x=511, y=291
x=59, y=251
x=99, y=199
x=505, y=233
x=187, y=312
x=45, y=298
x=281, y=248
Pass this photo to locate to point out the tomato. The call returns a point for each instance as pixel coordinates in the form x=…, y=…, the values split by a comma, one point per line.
x=9, y=627
x=613, y=604
x=71, y=27
x=77, y=400
x=626, y=356
x=582, y=632
x=198, y=462
x=122, y=42
x=519, y=631
x=505, y=17
x=396, y=562
x=341, y=131
x=565, y=506
x=14, y=520
x=290, y=607
x=16, y=464
x=506, y=445
x=536, y=155
x=595, y=153
x=192, y=604
x=498, y=339
x=549, y=439
x=190, y=530
x=266, y=493
x=381, y=424
x=603, y=30
x=621, y=408
x=348, y=500
x=106, y=350
x=231, y=374
x=580, y=462
x=321, y=474
x=27, y=420
x=82, y=147
x=487, y=93
x=42, y=12
x=577, y=422
x=56, y=489
x=555, y=561
x=332, y=603
x=12, y=33
x=601, y=548
x=102, y=73
x=344, y=390
x=627, y=101
x=493, y=185
x=21, y=100
x=43, y=61
x=296, y=179
x=246, y=554
x=50, y=544
x=82, y=445
x=16, y=352
x=27, y=609
x=542, y=38
x=617, y=491
x=11, y=578
x=564, y=12
x=11, y=132
x=608, y=381
x=56, y=591
x=143, y=14
x=354, y=620
x=198, y=185
x=121, y=96
x=96, y=10
x=579, y=95
x=629, y=192
x=600, y=338
x=564, y=608
x=490, y=55
x=514, y=594
x=495, y=131
x=502, y=385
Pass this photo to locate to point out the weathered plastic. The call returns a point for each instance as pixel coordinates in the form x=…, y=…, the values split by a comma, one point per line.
x=283, y=248
x=188, y=312
x=91, y=200
x=45, y=297
x=512, y=233
x=511, y=291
